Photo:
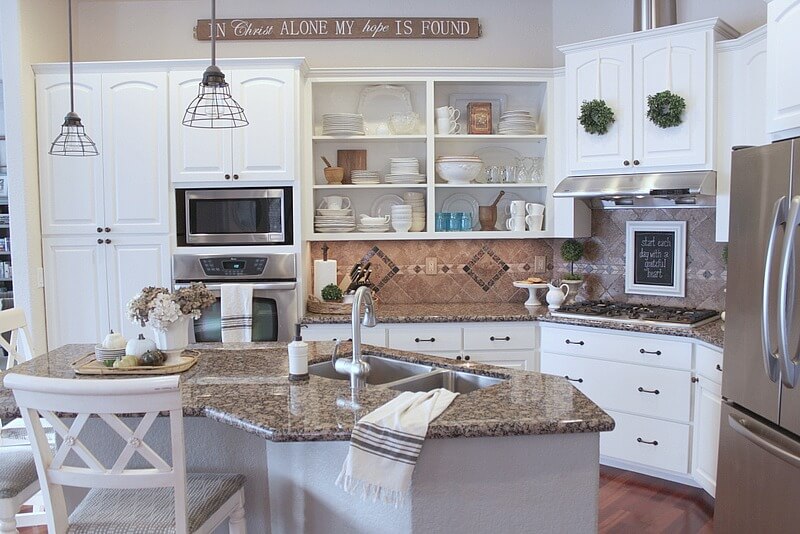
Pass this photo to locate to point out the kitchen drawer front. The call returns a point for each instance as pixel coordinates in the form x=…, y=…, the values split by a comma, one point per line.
x=521, y=360
x=709, y=363
x=671, y=453
x=620, y=347
x=624, y=386
x=500, y=336
x=424, y=338
x=371, y=336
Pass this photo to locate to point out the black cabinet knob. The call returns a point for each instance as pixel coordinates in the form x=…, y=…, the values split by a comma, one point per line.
x=99, y=230
x=107, y=229
x=235, y=176
x=458, y=358
x=719, y=368
x=695, y=380
x=636, y=162
x=227, y=176
x=466, y=358
x=99, y=241
x=108, y=241
x=626, y=162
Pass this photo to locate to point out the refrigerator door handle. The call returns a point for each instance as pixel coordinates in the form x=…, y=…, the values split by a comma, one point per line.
x=768, y=439
x=770, y=350
x=790, y=368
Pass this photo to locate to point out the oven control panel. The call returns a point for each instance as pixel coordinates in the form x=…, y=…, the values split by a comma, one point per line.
x=233, y=266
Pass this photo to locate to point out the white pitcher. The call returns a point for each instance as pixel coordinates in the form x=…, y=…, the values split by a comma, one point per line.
x=555, y=295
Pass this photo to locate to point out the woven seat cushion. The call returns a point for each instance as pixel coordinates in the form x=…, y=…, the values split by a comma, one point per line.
x=151, y=510
x=17, y=471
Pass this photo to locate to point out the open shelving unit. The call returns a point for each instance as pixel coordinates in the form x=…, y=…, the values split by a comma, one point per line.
x=341, y=93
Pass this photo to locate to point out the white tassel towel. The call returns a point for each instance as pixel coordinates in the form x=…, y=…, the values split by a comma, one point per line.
x=237, y=313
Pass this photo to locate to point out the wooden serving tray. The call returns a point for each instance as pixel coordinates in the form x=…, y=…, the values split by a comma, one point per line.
x=88, y=365
x=332, y=308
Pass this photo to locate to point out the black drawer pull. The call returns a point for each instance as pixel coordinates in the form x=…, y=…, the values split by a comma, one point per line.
x=656, y=352
x=431, y=340
x=507, y=338
x=695, y=380
x=578, y=380
x=654, y=442
x=653, y=391
x=719, y=368
x=574, y=342
x=347, y=340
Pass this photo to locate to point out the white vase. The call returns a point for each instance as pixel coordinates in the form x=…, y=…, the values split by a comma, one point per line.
x=555, y=295
x=174, y=340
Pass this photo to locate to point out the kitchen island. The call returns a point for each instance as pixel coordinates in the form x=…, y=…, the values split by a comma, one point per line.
x=521, y=455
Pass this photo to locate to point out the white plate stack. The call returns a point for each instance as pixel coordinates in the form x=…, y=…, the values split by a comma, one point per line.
x=334, y=221
x=374, y=224
x=401, y=218
x=365, y=177
x=404, y=171
x=417, y=202
x=517, y=122
x=342, y=124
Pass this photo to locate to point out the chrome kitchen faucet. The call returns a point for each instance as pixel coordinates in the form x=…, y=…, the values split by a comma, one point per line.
x=357, y=368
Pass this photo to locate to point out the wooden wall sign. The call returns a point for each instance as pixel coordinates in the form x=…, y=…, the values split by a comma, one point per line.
x=339, y=28
x=655, y=258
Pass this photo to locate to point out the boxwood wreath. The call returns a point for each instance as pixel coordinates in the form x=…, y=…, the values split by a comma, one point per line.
x=596, y=117
x=664, y=109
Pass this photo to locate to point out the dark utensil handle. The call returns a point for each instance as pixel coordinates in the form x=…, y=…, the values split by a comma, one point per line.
x=431, y=340
x=656, y=352
x=654, y=442
x=653, y=391
x=579, y=380
x=506, y=338
x=568, y=342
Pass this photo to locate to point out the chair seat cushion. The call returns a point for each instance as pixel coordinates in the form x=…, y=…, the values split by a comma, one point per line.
x=152, y=510
x=17, y=471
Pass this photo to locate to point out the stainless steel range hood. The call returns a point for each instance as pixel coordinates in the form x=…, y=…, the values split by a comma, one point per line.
x=656, y=190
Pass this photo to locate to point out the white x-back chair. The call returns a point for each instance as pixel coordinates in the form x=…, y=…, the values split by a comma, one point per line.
x=18, y=347
x=154, y=499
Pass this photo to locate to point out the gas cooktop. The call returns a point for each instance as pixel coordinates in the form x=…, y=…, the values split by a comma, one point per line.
x=637, y=313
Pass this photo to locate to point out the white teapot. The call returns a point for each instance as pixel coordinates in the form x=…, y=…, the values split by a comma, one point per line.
x=556, y=296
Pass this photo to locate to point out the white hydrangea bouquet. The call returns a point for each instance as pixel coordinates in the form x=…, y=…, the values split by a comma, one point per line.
x=161, y=308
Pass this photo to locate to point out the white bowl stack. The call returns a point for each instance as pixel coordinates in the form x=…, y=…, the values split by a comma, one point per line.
x=365, y=177
x=373, y=224
x=334, y=221
x=404, y=171
x=517, y=122
x=401, y=218
x=416, y=200
x=343, y=124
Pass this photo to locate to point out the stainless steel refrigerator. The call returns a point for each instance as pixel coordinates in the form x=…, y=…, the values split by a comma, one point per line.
x=758, y=474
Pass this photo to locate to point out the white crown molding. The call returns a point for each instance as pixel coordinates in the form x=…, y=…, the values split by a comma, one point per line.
x=722, y=28
x=171, y=64
x=431, y=72
x=744, y=41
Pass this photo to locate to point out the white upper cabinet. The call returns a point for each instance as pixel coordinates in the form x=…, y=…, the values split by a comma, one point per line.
x=197, y=154
x=624, y=71
x=678, y=65
x=783, y=68
x=71, y=188
x=599, y=74
x=262, y=151
x=135, y=144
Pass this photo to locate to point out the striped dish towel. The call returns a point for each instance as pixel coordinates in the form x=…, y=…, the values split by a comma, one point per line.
x=385, y=444
x=237, y=313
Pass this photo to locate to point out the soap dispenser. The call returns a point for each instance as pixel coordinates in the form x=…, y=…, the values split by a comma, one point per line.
x=298, y=356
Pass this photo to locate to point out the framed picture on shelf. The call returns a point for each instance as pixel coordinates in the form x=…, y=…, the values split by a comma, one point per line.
x=655, y=258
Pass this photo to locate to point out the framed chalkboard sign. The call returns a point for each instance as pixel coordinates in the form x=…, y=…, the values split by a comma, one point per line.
x=655, y=258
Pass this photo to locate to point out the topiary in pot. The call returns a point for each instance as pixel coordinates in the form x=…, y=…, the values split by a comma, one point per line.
x=331, y=293
x=571, y=251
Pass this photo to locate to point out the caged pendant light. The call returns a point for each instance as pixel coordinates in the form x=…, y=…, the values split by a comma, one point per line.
x=214, y=107
x=72, y=141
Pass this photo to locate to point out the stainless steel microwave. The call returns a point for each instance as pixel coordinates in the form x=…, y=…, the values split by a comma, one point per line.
x=234, y=216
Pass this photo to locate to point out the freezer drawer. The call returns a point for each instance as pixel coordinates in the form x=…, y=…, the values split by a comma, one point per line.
x=758, y=477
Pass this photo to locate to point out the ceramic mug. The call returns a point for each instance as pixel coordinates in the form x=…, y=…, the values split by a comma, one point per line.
x=447, y=127
x=448, y=112
x=534, y=222
x=335, y=202
x=532, y=208
x=515, y=224
x=516, y=208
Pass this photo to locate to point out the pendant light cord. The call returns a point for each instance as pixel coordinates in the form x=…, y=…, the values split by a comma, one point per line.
x=213, y=32
x=71, y=80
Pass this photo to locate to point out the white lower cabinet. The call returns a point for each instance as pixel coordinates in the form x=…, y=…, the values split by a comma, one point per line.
x=425, y=338
x=521, y=360
x=343, y=332
x=647, y=441
x=706, y=418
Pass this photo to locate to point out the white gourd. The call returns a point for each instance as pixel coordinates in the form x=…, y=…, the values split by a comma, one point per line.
x=137, y=347
x=114, y=341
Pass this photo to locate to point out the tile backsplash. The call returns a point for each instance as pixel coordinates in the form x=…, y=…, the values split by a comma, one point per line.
x=483, y=270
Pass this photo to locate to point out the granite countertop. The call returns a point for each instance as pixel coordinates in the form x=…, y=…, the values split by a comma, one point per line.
x=246, y=386
x=711, y=333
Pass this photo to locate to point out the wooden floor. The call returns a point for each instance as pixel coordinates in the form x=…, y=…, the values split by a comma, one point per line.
x=634, y=503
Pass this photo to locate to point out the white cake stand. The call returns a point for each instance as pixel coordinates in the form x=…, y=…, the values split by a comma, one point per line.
x=533, y=300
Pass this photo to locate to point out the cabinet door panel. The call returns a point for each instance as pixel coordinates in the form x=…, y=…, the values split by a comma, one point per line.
x=71, y=188
x=521, y=360
x=783, y=66
x=135, y=160
x=707, y=412
x=196, y=154
x=134, y=263
x=75, y=290
x=604, y=74
x=677, y=64
x=265, y=149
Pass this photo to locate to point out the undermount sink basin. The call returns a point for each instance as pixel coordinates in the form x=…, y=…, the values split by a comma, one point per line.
x=381, y=370
x=455, y=381
x=407, y=376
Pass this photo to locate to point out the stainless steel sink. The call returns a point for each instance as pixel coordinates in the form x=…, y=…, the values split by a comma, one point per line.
x=455, y=381
x=381, y=370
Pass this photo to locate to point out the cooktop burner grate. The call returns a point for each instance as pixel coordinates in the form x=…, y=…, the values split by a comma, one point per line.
x=624, y=312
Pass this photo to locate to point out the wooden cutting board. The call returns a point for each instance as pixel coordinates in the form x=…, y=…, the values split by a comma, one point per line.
x=351, y=160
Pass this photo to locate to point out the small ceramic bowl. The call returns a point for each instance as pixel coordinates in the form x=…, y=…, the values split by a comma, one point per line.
x=403, y=123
